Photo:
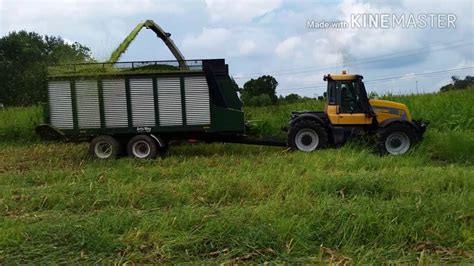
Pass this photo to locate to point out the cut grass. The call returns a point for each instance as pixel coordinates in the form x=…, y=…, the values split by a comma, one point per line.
x=94, y=70
x=115, y=56
x=60, y=205
x=235, y=203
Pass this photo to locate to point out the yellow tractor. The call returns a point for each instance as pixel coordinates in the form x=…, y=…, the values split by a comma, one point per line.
x=348, y=112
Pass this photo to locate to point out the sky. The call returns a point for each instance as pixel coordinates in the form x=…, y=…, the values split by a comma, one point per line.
x=275, y=37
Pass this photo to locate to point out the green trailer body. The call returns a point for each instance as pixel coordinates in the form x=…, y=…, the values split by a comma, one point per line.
x=87, y=100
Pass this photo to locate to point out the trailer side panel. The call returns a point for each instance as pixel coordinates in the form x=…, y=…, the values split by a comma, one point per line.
x=60, y=104
x=87, y=97
x=143, y=108
x=115, y=103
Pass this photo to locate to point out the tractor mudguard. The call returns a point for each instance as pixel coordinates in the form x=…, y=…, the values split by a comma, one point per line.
x=337, y=134
x=394, y=120
x=419, y=125
x=310, y=116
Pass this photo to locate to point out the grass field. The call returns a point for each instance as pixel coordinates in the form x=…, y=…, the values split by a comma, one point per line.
x=237, y=203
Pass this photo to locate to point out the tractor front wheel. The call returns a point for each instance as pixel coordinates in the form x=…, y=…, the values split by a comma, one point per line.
x=396, y=139
x=307, y=135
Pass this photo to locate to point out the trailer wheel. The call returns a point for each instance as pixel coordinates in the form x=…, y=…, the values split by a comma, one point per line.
x=105, y=147
x=307, y=135
x=142, y=147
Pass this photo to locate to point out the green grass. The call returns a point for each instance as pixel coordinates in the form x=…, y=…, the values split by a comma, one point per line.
x=17, y=124
x=235, y=203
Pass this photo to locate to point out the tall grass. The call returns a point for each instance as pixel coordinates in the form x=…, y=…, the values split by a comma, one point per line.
x=268, y=121
x=17, y=123
x=450, y=111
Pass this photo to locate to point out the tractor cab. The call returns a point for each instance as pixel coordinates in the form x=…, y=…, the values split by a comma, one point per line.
x=348, y=104
x=347, y=101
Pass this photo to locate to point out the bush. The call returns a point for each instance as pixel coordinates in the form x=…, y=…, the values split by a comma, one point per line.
x=260, y=100
x=292, y=98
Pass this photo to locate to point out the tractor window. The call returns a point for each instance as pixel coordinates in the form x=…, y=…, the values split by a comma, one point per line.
x=350, y=97
x=331, y=92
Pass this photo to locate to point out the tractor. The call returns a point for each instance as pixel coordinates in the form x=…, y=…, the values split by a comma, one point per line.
x=349, y=113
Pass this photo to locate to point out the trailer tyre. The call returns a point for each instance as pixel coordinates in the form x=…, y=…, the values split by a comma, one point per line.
x=142, y=147
x=307, y=135
x=105, y=147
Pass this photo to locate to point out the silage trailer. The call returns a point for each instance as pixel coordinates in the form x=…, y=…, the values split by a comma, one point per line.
x=140, y=106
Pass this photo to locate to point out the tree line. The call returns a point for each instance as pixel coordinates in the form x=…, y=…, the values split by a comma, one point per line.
x=24, y=57
x=458, y=83
x=262, y=92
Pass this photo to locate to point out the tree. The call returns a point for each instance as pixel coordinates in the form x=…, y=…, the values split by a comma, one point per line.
x=60, y=52
x=458, y=84
x=292, y=98
x=461, y=84
x=262, y=85
x=24, y=57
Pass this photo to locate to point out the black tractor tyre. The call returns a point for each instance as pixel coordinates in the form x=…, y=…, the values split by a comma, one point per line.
x=142, y=147
x=301, y=136
x=395, y=139
x=105, y=147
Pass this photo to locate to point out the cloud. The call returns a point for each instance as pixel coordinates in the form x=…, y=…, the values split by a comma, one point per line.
x=68, y=41
x=228, y=42
x=239, y=10
x=344, y=46
x=288, y=47
x=247, y=47
x=308, y=51
x=78, y=9
x=209, y=38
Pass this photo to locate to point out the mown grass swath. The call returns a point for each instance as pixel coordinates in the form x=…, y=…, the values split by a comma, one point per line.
x=214, y=203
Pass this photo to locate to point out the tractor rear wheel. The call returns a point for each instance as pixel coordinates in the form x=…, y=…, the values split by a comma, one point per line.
x=396, y=139
x=105, y=147
x=307, y=135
